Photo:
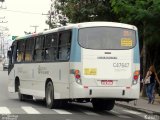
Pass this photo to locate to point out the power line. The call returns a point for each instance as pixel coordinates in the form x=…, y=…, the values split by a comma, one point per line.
x=23, y=12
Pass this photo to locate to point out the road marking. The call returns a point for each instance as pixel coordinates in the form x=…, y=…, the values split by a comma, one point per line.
x=59, y=111
x=119, y=114
x=4, y=110
x=114, y=112
x=89, y=112
x=30, y=110
x=132, y=112
x=123, y=116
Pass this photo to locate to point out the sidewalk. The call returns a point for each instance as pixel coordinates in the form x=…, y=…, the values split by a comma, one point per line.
x=142, y=105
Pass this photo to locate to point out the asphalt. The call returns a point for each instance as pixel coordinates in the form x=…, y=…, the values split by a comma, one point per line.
x=142, y=105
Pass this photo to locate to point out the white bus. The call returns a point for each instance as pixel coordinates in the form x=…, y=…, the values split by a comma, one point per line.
x=95, y=62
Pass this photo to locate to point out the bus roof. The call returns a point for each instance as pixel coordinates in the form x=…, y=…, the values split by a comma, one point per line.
x=81, y=25
x=110, y=24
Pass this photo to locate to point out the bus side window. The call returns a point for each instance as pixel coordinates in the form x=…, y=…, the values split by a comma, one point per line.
x=29, y=49
x=14, y=53
x=20, y=50
x=64, y=45
x=50, y=47
x=39, y=52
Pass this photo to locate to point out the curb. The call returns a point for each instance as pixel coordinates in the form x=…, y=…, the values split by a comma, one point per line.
x=138, y=109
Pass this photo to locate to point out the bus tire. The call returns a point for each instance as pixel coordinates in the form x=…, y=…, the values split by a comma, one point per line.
x=110, y=104
x=49, y=95
x=20, y=96
x=98, y=104
x=103, y=104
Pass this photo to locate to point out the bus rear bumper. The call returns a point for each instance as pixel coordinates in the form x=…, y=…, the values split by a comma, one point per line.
x=116, y=93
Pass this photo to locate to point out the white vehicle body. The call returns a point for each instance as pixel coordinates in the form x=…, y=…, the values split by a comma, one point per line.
x=101, y=73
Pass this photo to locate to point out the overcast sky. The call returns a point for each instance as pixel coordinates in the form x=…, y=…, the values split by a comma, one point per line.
x=22, y=14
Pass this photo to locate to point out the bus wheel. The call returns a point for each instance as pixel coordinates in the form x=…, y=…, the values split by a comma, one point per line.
x=103, y=104
x=49, y=94
x=110, y=104
x=20, y=96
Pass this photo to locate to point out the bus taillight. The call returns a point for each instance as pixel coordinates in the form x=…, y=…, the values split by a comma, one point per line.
x=135, y=77
x=76, y=72
x=77, y=76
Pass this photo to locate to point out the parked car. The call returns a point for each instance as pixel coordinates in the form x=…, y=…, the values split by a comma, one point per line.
x=5, y=64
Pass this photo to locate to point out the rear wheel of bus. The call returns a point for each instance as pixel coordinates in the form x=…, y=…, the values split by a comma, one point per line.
x=17, y=87
x=23, y=97
x=20, y=96
x=103, y=104
x=49, y=95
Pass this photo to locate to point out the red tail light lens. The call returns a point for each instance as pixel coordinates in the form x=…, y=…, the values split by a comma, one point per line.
x=135, y=77
x=77, y=76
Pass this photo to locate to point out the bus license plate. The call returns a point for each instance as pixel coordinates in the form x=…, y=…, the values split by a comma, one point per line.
x=107, y=82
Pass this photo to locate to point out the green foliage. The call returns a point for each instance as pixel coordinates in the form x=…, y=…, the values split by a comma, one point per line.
x=86, y=10
x=142, y=13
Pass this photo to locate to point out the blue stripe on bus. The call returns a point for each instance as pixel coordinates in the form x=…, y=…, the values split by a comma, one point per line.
x=75, y=48
x=136, y=51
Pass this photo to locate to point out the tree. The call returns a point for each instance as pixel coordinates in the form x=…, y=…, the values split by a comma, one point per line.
x=55, y=16
x=86, y=10
x=145, y=15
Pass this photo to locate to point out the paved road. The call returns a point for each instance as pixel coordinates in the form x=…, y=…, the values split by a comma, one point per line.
x=10, y=107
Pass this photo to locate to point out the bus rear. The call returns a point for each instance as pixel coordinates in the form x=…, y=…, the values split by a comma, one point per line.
x=109, y=63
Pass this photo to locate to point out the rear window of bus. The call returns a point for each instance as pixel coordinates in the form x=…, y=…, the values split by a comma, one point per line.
x=107, y=38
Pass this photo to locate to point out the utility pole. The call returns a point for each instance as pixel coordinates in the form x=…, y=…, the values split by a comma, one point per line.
x=2, y=29
x=35, y=28
x=2, y=51
x=1, y=44
x=1, y=6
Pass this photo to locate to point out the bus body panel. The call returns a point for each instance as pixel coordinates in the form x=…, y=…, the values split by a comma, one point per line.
x=110, y=92
x=106, y=92
x=11, y=81
x=33, y=78
x=116, y=66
